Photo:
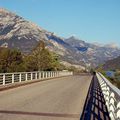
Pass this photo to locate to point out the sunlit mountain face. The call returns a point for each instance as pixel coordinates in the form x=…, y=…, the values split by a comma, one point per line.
x=16, y=32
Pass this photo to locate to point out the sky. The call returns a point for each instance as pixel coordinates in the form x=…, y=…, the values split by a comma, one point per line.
x=94, y=21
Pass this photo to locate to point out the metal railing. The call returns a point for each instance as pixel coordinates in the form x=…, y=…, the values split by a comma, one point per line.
x=9, y=78
x=111, y=96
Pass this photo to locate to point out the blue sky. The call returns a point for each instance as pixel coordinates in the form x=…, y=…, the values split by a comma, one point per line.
x=89, y=20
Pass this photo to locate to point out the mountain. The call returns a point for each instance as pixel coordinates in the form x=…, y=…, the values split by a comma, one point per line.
x=16, y=32
x=112, y=64
x=93, y=53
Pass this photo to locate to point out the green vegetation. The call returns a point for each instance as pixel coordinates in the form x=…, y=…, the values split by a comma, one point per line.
x=44, y=59
x=10, y=60
x=114, y=80
x=39, y=59
x=114, y=66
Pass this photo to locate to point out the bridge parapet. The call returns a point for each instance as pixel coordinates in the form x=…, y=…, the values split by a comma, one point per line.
x=111, y=96
x=9, y=78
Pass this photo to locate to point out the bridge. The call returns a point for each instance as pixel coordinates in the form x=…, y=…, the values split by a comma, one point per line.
x=57, y=95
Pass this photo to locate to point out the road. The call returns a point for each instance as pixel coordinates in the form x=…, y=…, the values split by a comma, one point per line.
x=56, y=99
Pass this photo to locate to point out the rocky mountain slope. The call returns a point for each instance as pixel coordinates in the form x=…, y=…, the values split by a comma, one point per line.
x=94, y=54
x=112, y=64
x=16, y=32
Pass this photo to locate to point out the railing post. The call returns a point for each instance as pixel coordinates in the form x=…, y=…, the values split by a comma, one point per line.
x=39, y=75
x=26, y=76
x=3, y=79
x=20, y=77
x=50, y=74
x=43, y=75
x=57, y=73
x=108, y=98
x=53, y=73
x=36, y=75
x=118, y=111
x=47, y=74
x=112, y=112
x=12, y=78
x=31, y=75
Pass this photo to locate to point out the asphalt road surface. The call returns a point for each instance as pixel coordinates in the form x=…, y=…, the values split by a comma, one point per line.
x=56, y=99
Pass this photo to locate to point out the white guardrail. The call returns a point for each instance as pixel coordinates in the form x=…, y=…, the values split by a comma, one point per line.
x=111, y=96
x=9, y=78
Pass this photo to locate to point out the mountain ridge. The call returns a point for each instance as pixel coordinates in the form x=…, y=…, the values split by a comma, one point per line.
x=16, y=32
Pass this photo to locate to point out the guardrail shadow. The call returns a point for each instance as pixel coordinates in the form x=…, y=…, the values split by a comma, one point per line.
x=95, y=108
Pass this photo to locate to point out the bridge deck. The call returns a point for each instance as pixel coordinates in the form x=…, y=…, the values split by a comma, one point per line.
x=56, y=99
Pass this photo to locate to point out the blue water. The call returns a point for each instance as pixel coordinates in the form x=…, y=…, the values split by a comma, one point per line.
x=110, y=73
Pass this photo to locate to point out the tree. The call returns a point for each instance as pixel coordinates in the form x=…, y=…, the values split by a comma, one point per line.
x=30, y=63
x=55, y=64
x=42, y=57
x=10, y=60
